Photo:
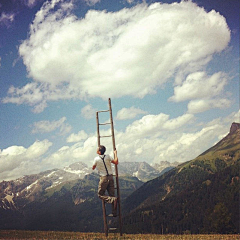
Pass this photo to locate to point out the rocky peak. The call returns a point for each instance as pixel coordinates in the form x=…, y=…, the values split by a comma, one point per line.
x=234, y=127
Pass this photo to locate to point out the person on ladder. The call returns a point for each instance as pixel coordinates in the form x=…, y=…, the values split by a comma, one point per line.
x=103, y=164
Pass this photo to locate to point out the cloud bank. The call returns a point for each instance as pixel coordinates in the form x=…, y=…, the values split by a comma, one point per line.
x=154, y=138
x=141, y=47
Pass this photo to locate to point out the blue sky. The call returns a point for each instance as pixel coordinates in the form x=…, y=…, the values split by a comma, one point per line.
x=171, y=69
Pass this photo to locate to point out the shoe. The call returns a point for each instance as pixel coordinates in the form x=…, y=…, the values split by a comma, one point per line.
x=114, y=214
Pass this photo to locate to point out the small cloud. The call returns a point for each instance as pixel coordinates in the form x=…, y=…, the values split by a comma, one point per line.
x=129, y=113
x=92, y=2
x=6, y=19
x=31, y=3
x=50, y=126
x=88, y=112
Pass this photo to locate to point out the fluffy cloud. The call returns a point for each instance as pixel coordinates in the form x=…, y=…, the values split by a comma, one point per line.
x=129, y=113
x=199, y=85
x=202, y=105
x=155, y=125
x=49, y=126
x=203, y=91
x=139, y=48
x=82, y=151
x=16, y=161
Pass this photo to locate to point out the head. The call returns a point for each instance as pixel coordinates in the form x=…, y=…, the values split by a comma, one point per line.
x=101, y=150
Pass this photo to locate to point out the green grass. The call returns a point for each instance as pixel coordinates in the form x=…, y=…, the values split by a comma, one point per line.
x=12, y=234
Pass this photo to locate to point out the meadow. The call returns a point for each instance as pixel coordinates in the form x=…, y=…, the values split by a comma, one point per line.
x=12, y=234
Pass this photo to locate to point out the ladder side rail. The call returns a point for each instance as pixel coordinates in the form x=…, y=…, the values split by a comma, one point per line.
x=103, y=203
x=104, y=218
x=98, y=132
x=116, y=168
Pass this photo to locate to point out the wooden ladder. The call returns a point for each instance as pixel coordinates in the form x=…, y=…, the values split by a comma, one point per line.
x=107, y=229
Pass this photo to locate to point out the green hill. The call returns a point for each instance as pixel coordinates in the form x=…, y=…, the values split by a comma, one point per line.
x=200, y=196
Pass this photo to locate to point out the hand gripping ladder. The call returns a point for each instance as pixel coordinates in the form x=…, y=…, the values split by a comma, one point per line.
x=106, y=227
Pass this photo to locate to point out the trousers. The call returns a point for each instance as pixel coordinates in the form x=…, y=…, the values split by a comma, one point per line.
x=107, y=183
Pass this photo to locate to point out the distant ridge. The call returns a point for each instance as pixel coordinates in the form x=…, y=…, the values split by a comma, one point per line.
x=227, y=145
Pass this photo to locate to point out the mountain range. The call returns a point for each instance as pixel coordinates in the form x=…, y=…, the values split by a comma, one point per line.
x=31, y=187
x=74, y=185
x=194, y=196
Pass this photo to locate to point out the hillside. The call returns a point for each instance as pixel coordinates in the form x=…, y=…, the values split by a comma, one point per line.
x=201, y=195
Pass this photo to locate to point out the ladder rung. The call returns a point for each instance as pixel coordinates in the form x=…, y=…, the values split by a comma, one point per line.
x=104, y=123
x=103, y=111
x=112, y=229
x=105, y=136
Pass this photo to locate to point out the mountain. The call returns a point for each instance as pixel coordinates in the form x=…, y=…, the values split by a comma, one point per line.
x=199, y=196
x=165, y=166
x=33, y=187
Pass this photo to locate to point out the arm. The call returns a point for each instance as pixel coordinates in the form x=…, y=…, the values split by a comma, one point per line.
x=115, y=160
x=94, y=164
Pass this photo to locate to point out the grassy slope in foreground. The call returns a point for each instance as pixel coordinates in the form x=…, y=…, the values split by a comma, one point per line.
x=12, y=234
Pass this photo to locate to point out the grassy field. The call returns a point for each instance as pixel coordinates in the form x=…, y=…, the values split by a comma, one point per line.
x=12, y=234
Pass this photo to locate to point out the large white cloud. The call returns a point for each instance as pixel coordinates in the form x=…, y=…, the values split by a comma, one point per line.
x=139, y=47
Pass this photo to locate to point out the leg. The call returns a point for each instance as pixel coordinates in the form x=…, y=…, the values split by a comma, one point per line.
x=102, y=186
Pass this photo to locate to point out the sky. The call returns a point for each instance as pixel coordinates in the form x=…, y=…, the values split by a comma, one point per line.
x=171, y=69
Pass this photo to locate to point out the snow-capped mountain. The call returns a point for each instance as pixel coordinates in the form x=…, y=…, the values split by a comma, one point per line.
x=142, y=170
x=31, y=187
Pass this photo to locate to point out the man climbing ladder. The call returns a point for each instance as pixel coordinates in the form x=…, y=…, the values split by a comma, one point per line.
x=103, y=165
